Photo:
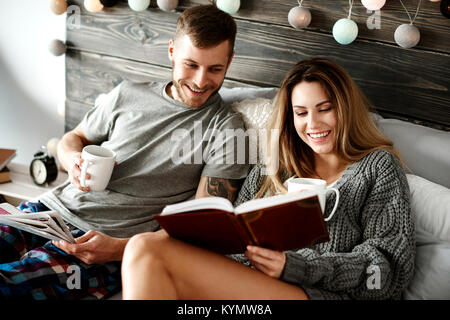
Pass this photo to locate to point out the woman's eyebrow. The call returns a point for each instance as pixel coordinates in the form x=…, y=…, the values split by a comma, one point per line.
x=317, y=105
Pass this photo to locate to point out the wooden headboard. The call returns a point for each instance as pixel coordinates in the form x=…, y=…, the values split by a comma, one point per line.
x=410, y=84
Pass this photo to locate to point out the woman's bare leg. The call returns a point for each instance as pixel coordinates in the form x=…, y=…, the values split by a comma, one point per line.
x=156, y=266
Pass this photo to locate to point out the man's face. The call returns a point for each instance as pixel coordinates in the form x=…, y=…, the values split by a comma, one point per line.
x=197, y=73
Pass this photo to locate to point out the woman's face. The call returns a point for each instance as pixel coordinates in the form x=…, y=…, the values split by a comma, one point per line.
x=315, y=118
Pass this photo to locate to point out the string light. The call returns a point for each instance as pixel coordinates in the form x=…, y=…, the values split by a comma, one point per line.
x=408, y=35
x=345, y=30
x=299, y=17
x=167, y=5
x=229, y=6
x=138, y=5
x=373, y=4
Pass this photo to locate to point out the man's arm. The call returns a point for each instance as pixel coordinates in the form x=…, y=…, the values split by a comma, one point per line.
x=218, y=187
x=69, y=154
x=71, y=144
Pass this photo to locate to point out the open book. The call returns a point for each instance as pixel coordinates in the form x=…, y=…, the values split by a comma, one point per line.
x=282, y=222
x=47, y=224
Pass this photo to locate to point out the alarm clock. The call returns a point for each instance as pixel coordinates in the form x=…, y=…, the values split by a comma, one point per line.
x=43, y=168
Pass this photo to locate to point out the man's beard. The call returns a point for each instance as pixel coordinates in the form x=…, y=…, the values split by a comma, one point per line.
x=179, y=95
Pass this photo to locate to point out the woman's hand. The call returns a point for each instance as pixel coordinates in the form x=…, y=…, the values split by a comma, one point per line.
x=268, y=261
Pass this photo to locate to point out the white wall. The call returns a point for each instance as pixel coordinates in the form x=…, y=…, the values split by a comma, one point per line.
x=32, y=81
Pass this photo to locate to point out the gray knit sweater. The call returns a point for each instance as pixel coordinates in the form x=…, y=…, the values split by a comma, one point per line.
x=371, y=250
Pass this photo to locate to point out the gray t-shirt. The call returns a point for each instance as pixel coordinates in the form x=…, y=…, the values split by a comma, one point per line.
x=163, y=148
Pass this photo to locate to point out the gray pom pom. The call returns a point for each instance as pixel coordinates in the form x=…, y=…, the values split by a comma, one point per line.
x=167, y=5
x=57, y=47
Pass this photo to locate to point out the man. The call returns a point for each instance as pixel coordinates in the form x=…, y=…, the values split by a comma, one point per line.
x=137, y=121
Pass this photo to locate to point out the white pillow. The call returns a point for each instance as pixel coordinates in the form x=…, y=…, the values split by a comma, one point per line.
x=431, y=273
x=426, y=151
x=256, y=114
x=430, y=204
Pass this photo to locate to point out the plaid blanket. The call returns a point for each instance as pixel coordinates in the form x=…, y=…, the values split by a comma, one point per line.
x=31, y=267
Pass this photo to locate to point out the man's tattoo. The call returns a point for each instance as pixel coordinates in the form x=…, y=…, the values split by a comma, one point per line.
x=226, y=188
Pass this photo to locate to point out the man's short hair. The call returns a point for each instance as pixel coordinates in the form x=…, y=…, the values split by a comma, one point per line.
x=207, y=26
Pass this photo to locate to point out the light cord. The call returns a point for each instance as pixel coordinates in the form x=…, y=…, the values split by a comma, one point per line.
x=350, y=2
x=300, y=2
x=407, y=12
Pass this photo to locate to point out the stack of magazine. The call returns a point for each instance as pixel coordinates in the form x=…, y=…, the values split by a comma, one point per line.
x=47, y=224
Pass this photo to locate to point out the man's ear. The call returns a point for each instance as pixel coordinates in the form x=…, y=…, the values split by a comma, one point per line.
x=171, y=48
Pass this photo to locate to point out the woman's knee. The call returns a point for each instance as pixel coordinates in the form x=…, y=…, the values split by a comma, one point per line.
x=144, y=244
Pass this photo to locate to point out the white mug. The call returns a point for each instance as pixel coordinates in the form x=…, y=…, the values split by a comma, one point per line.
x=99, y=163
x=315, y=185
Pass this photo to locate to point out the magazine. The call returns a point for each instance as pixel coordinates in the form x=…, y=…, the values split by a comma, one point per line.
x=47, y=224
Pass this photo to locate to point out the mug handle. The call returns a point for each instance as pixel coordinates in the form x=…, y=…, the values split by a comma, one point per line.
x=84, y=168
x=335, y=203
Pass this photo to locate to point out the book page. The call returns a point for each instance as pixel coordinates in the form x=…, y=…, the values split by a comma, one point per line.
x=199, y=204
x=262, y=203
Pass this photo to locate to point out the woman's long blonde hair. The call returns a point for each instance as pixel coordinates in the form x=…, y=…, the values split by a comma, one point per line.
x=356, y=135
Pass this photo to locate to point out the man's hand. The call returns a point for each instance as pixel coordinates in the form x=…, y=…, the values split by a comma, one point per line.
x=75, y=172
x=94, y=248
x=268, y=261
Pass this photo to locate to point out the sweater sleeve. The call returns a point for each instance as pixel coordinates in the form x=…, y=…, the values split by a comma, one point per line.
x=251, y=185
x=382, y=264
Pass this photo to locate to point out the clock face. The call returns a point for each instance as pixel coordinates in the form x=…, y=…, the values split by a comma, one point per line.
x=39, y=171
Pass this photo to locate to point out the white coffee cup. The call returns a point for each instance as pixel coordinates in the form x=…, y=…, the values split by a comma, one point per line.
x=315, y=185
x=99, y=163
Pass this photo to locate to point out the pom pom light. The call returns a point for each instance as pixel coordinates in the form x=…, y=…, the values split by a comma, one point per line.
x=299, y=17
x=138, y=5
x=229, y=6
x=93, y=5
x=57, y=47
x=58, y=6
x=373, y=4
x=408, y=35
x=167, y=5
x=345, y=30
x=52, y=147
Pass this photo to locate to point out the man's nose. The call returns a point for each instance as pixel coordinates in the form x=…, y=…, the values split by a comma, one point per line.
x=201, y=78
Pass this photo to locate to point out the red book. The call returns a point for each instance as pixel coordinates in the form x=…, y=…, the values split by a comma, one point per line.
x=284, y=222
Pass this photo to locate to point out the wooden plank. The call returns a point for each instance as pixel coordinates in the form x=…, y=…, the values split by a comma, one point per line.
x=75, y=112
x=434, y=27
x=396, y=80
x=89, y=74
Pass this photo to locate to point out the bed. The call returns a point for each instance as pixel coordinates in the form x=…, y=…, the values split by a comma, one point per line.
x=409, y=88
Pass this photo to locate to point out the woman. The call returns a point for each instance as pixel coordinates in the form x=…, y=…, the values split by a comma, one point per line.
x=324, y=130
